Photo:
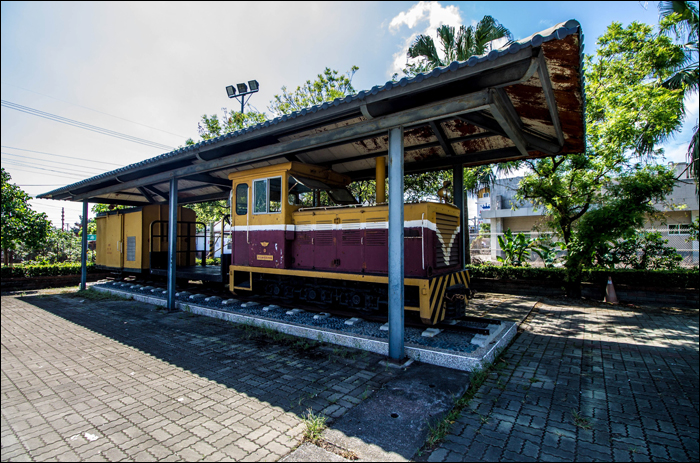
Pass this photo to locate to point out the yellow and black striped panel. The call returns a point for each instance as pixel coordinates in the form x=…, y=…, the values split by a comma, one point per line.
x=437, y=288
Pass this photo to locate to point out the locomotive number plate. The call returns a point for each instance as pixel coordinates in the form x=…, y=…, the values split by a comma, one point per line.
x=264, y=257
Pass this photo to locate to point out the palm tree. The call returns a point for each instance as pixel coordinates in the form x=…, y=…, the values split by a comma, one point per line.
x=459, y=46
x=684, y=16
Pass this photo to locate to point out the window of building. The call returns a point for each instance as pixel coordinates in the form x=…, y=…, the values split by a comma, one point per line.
x=242, y=199
x=679, y=229
x=267, y=195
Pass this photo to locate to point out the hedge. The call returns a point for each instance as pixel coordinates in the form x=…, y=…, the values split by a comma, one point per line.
x=679, y=278
x=27, y=271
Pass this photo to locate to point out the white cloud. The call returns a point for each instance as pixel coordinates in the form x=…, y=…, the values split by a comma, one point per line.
x=422, y=18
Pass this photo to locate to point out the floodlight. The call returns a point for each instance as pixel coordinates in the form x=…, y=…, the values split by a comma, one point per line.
x=242, y=88
x=253, y=84
x=231, y=90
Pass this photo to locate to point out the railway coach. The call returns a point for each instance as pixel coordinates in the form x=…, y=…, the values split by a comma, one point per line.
x=286, y=242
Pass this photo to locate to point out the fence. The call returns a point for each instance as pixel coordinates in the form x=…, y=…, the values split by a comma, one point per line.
x=485, y=246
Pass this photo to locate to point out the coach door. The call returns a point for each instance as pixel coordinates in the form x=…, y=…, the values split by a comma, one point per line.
x=240, y=221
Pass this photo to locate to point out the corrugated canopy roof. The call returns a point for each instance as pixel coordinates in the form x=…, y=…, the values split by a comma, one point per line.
x=522, y=101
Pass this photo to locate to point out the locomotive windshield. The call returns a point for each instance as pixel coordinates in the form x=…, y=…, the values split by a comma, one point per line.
x=301, y=191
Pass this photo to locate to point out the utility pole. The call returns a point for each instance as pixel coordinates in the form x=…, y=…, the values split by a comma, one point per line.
x=63, y=218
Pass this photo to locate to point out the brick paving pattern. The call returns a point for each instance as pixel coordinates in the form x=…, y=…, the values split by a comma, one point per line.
x=587, y=384
x=123, y=381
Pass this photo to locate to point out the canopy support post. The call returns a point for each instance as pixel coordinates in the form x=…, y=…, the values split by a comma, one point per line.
x=172, y=244
x=83, y=248
x=396, y=245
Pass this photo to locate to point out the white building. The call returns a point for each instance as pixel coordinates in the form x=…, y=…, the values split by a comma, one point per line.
x=679, y=210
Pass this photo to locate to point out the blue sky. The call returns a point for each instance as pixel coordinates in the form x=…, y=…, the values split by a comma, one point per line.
x=150, y=70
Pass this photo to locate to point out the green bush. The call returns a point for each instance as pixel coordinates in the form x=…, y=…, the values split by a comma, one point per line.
x=676, y=278
x=28, y=271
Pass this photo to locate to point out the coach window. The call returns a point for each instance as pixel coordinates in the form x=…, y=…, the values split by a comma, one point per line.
x=267, y=195
x=242, y=199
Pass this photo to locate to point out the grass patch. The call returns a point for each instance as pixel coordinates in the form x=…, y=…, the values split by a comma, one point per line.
x=299, y=344
x=314, y=425
x=580, y=421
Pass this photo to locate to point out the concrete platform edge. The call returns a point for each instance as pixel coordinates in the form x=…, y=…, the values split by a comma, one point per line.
x=458, y=361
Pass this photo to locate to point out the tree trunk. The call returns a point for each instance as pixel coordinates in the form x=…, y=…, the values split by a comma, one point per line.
x=5, y=256
x=572, y=280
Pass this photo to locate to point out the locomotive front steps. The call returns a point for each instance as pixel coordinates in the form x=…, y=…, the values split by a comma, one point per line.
x=445, y=356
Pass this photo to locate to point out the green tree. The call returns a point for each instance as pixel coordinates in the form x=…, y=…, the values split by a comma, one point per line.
x=456, y=45
x=601, y=195
x=59, y=246
x=212, y=126
x=681, y=19
x=328, y=86
x=639, y=250
x=21, y=225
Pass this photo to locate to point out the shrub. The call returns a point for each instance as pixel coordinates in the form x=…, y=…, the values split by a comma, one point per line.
x=675, y=278
x=28, y=271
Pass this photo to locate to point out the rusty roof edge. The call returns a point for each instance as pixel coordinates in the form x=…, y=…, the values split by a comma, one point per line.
x=557, y=32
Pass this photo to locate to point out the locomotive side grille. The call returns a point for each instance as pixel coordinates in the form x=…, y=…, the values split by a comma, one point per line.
x=324, y=233
x=446, y=230
x=376, y=238
x=351, y=232
x=352, y=237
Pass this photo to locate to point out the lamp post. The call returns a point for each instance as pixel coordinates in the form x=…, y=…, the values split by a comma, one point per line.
x=242, y=91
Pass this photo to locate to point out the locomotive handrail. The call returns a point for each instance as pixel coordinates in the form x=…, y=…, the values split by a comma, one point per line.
x=341, y=206
x=189, y=222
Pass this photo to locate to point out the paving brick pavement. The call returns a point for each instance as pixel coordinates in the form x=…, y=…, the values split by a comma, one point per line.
x=587, y=383
x=123, y=381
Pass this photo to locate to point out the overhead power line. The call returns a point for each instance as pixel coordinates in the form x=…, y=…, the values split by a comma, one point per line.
x=63, y=156
x=95, y=110
x=72, y=178
x=82, y=125
x=43, y=169
x=60, y=163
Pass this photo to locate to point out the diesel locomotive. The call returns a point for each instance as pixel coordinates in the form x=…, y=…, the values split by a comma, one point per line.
x=285, y=243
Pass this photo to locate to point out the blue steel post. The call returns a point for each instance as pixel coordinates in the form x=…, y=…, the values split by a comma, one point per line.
x=396, y=253
x=458, y=181
x=83, y=249
x=172, y=243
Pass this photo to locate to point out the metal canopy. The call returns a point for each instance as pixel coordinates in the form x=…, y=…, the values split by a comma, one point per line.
x=522, y=101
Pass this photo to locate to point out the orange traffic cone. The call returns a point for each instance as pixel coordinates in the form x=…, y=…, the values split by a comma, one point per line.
x=610, y=295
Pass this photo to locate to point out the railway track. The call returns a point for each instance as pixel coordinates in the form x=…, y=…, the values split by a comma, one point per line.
x=410, y=320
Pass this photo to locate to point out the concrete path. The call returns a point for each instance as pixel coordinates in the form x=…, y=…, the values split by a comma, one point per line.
x=122, y=381
x=587, y=383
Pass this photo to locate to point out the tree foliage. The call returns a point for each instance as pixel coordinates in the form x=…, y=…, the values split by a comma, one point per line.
x=596, y=197
x=328, y=86
x=21, y=225
x=456, y=45
x=639, y=250
x=680, y=18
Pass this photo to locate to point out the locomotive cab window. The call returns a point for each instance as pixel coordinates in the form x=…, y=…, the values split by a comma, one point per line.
x=267, y=195
x=301, y=191
x=242, y=199
x=299, y=194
